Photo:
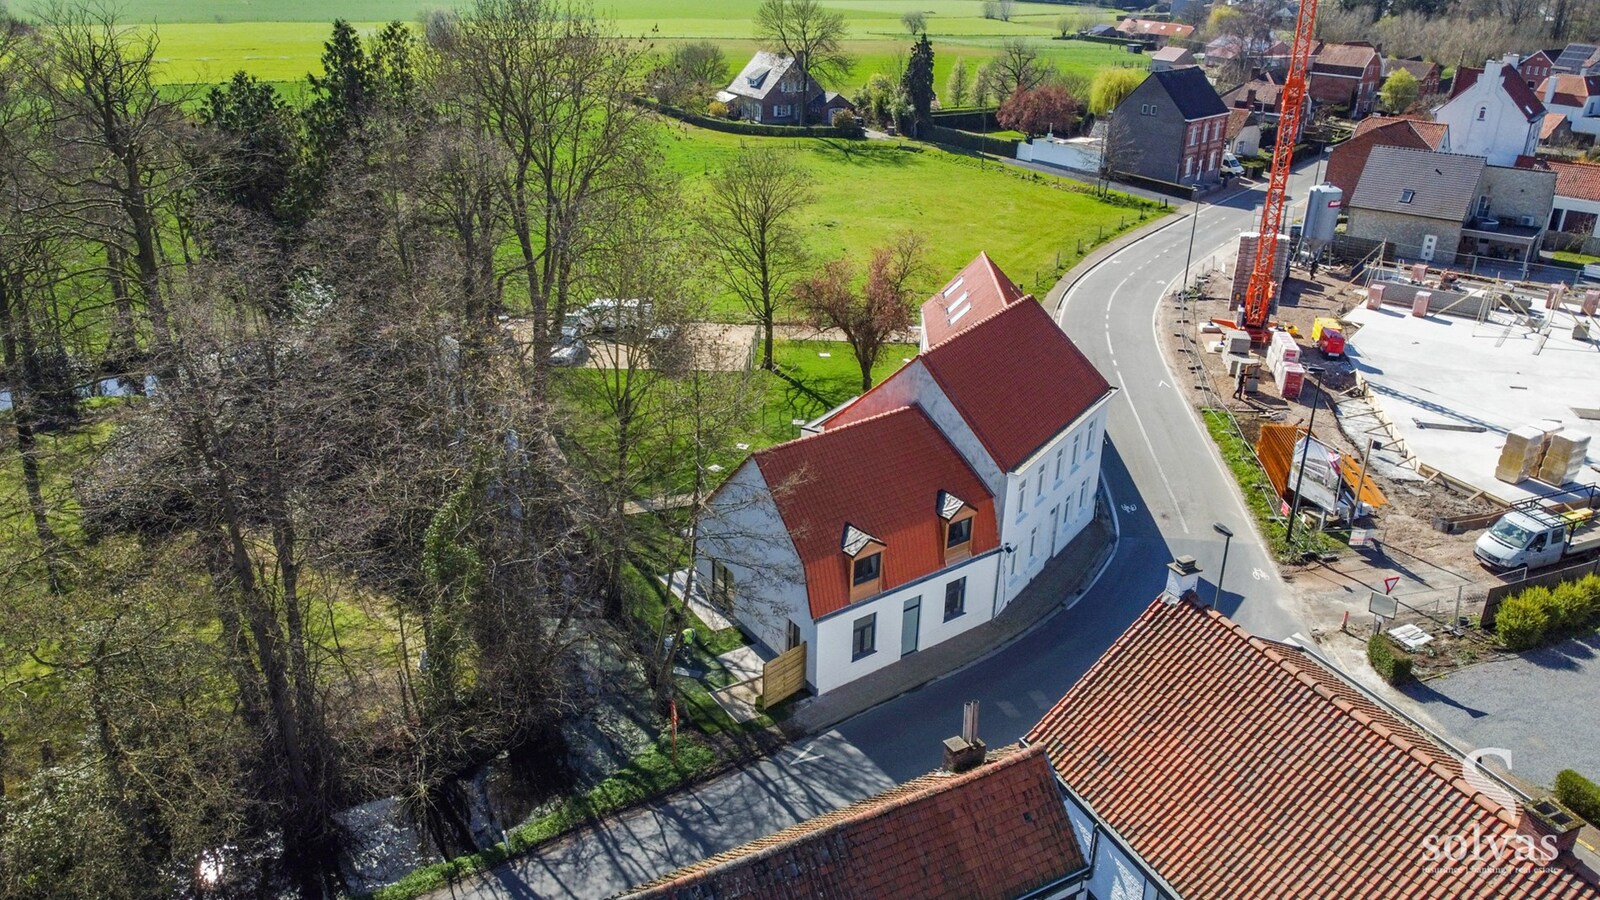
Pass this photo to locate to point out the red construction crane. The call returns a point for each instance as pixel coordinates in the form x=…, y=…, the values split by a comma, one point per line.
x=1291, y=103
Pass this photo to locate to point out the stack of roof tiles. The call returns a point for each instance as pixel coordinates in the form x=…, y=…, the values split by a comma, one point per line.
x=1245, y=260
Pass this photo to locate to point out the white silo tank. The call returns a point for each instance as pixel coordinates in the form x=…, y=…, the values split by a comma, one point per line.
x=1322, y=216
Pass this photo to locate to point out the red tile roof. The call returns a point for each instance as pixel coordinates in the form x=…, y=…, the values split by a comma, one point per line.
x=1465, y=77
x=1571, y=90
x=1014, y=377
x=1238, y=767
x=1347, y=160
x=1573, y=179
x=998, y=831
x=1522, y=95
x=882, y=475
x=976, y=293
x=1343, y=58
x=1551, y=124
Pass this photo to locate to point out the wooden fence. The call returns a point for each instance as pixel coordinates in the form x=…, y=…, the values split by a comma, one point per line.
x=783, y=676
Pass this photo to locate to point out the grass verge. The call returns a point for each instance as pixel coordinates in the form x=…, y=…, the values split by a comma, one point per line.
x=1259, y=494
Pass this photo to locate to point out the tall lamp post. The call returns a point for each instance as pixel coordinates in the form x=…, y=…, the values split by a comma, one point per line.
x=1222, y=572
x=1294, y=506
x=1194, y=225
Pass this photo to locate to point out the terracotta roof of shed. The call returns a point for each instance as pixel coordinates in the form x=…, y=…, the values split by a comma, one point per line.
x=1015, y=378
x=976, y=293
x=1431, y=133
x=998, y=831
x=882, y=475
x=1571, y=90
x=1239, y=767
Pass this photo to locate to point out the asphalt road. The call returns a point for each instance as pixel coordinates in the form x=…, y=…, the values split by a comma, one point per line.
x=1167, y=485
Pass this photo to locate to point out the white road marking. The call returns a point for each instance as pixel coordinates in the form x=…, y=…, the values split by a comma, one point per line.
x=1259, y=575
x=807, y=755
x=1130, y=507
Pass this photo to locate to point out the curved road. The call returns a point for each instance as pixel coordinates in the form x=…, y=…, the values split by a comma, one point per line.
x=1167, y=484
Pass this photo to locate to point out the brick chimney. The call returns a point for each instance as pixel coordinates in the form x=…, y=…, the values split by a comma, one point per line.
x=1250, y=98
x=966, y=750
x=1543, y=819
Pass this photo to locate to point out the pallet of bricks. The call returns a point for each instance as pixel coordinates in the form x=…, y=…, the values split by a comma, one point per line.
x=1283, y=359
x=1246, y=261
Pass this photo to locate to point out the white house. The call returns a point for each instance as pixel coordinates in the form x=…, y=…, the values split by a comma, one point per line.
x=1577, y=97
x=922, y=507
x=1496, y=117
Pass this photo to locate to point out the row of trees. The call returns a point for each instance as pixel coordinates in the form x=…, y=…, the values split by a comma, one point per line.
x=345, y=429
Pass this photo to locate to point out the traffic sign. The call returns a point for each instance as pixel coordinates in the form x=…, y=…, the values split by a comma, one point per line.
x=1389, y=583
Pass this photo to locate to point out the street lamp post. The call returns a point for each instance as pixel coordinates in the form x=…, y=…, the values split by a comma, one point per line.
x=1222, y=571
x=1194, y=225
x=1294, y=505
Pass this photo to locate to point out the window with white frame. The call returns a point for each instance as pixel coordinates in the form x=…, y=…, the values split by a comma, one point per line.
x=1075, y=441
x=1083, y=495
x=1038, y=489
x=955, y=599
x=1060, y=452
x=1089, y=443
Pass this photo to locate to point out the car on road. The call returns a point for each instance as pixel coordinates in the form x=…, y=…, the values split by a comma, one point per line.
x=1231, y=165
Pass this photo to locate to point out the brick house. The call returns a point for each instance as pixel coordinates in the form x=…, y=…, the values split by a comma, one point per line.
x=940, y=836
x=1208, y=762
x=1575, y=210
x=1174, y=127
x=768, y=91
x=1426, y=73
x=1439, y=207
x=921, y=508
x=1261, y=95
x=1538, y=67
x=1347, y=159
x=1346, y=75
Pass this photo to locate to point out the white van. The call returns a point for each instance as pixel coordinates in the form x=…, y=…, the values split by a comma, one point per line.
x=1230, y=165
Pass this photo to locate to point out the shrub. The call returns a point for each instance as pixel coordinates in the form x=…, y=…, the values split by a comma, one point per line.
x=1523, y=621
x=1579, y=794
x=718, y=110
x=1572, y=606
x=845, y=121
x=1387, y=660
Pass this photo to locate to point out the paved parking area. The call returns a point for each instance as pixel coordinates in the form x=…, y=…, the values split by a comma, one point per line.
x=1543, y=706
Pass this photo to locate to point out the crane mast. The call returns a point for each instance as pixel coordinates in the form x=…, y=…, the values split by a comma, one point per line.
x=1263, y=285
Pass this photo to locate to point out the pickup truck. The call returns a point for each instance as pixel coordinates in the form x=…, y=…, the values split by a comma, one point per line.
x=1537, y=538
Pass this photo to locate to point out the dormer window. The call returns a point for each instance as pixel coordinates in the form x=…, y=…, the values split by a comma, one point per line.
x=867, y=569
x=866, y=562
x=958, y=517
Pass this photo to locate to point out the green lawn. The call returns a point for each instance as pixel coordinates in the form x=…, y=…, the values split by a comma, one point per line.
x=281, y=40
x=1259, y=494
x=1034, y=226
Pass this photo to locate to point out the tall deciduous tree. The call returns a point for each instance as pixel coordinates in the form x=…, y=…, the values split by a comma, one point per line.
x=555, y=88
x=750, y=220
x=918, y=78
x=1400, y=91
x=1017, y=68
x=1111, y=86
x=958, y=89
x=871, y=315
x=811, y=33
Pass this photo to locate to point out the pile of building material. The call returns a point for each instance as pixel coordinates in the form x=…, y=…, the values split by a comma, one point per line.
x=1245, y=262
x=1546, y=451
x=1283, y=359
x=1564, y=453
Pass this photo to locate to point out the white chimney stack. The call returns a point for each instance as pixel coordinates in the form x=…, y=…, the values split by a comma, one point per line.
x=1183, y=576
x=1549, y=88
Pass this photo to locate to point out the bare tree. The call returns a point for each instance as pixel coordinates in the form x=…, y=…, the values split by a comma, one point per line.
x=914, y=21
x=750, y=221
x=810, y=33
x=1017, y=68
x=555, y=88
x=881, y=309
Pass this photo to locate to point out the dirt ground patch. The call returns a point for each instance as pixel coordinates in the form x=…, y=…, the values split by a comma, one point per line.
x=1431, y=565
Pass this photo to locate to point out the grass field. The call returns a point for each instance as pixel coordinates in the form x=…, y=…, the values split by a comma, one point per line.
x=1033, y=225
x=281, y=40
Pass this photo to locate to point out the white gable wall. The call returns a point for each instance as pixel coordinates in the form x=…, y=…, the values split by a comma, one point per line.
x=1501, y=134
x=744, y=531
x=1114, y=875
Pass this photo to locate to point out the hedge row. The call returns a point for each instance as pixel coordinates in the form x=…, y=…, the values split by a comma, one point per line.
x=1387, y=661
x=1579, y=794
x=968, y=141
x=1538, y=615
x=964, y=119
x=733, y=126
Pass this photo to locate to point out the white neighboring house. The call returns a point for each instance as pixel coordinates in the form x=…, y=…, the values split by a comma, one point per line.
x=1577, y=97
x=852, y=540
x=1497, y=117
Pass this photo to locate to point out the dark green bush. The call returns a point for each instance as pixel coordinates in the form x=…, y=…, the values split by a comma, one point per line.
x=1387, y=660
x=1579, y=794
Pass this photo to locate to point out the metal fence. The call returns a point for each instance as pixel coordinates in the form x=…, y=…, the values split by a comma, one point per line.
x=1350, y=248
x=1498, y=593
